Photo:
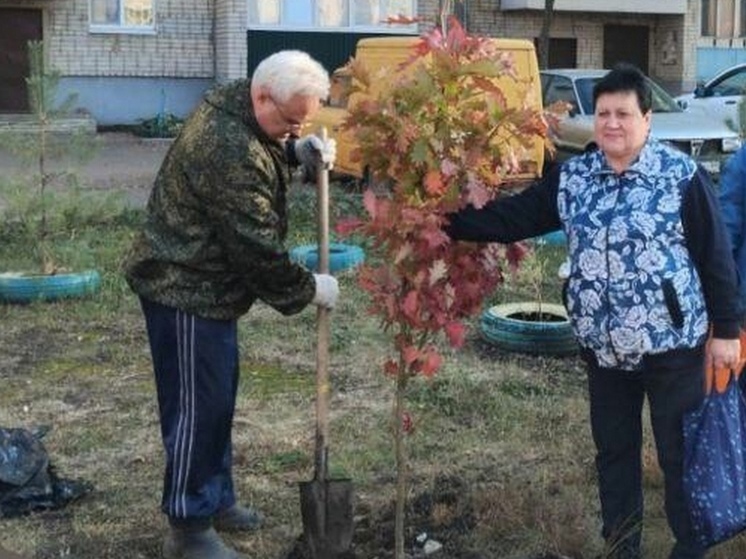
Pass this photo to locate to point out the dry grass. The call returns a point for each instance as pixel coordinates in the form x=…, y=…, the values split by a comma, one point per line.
x=509, y=431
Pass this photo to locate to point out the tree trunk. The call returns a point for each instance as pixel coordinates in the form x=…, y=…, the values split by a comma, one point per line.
x=401, y=460
x=544, y=35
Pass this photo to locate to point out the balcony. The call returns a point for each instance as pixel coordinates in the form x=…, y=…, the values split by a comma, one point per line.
x=628, y=6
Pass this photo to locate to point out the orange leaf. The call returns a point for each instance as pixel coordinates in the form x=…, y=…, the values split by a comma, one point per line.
x=433, y=183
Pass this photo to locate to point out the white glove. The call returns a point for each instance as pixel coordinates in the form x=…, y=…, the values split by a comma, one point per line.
x=327, y=291
x=311, y=151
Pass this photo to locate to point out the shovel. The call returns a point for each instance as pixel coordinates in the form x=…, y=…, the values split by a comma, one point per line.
x=326, y=505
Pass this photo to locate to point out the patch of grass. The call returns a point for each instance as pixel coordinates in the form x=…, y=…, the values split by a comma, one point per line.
x=263, y=381
x=512, y=429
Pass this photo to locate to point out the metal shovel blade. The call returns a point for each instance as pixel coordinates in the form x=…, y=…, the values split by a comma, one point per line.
x=326, y=509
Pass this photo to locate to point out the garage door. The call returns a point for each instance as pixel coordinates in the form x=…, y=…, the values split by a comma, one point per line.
x=17, y=27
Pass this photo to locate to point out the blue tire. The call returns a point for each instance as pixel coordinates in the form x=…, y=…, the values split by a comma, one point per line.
x=509, y=327
x=27, y=288
x=554, y=238
x=341, y=256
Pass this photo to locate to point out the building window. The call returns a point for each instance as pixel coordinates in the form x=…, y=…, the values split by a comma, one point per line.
x=724, y=19
x=708, y=18
x=330, y=14
x=122, y=16
x=563, y=53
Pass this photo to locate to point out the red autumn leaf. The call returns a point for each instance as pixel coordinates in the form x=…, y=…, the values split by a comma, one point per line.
x=348, y=225
x=476, y=194
x=410, y=354
x=407, y=425
x=456, y=333
x=402, y=19
x=431, y=364
x=409, y=305
x=434, y=238
x=391, y=367
x=514, y=253
x=370, y=203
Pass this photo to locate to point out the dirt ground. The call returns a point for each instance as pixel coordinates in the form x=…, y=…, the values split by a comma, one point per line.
x=120, y=160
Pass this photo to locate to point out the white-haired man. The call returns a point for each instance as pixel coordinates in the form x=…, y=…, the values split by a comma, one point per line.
x=212, y=245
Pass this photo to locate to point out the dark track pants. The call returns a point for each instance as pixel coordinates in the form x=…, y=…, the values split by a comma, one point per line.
x=195, y=361
x=673, y=383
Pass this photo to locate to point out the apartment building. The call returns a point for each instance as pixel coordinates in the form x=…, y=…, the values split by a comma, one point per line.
x=133, y=59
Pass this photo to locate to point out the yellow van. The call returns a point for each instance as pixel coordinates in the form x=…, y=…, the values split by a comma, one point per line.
x=382, y=56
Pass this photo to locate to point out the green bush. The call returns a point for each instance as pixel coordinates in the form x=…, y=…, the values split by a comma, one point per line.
x=164, y=125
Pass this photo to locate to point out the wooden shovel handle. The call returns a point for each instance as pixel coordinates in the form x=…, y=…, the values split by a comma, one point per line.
x=322, y=328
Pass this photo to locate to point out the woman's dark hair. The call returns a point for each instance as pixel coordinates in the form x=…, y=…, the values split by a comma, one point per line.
x=625, y=77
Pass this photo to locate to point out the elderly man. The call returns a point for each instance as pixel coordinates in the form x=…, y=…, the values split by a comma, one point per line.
x=212, y=245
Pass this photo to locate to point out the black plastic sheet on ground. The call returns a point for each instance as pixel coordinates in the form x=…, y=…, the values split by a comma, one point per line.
x=28, y=481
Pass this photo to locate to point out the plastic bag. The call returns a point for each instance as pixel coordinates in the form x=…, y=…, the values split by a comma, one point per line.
x=28, y=481
x=715, y=464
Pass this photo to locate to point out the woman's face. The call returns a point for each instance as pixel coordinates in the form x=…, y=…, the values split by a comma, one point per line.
x=620, y=127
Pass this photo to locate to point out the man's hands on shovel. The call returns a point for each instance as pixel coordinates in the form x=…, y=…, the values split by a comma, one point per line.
x=327, y=291
x=317, y=154
x=312, y=151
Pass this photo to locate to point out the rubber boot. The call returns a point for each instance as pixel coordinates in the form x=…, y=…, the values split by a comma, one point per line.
x=237, y=519
x=196, y=540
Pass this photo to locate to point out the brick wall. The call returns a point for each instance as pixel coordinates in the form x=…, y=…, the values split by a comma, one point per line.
x=230, y=39
x=484, y=17
x=183, y=45
x=670, y=50
x=180, y=48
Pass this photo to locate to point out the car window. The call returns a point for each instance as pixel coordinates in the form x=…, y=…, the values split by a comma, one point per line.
x=732, y=85
x=558, y=88
x=585, y=92
x=662, y=101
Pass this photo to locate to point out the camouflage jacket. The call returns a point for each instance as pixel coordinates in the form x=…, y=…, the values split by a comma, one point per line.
x=213, y=241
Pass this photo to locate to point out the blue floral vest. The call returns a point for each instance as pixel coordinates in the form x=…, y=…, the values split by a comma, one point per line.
x=633, y=289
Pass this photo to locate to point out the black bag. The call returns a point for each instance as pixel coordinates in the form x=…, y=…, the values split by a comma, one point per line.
x=715, y=465
x=28, y=482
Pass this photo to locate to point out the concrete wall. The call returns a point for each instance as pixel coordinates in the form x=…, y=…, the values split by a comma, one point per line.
x=713, y=59
x=128, y=100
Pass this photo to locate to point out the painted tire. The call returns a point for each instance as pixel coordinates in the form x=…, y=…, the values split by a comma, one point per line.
x=341, y=256
x=501, y=326
x=26, y=288
x=554, y=238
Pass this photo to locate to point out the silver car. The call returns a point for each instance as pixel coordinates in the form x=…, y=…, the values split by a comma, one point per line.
x=709, y=140
x=720, y=96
